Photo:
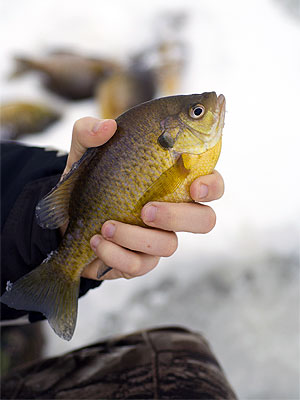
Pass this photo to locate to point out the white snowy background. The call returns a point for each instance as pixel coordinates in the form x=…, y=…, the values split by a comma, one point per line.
x=238, y=285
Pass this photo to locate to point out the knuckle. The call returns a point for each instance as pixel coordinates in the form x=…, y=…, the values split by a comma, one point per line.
x=126, y=276
x=78, y=123
x=100, y=251
x=82, y=125
x=169, y=217
x=103, y=251
x=134, y=266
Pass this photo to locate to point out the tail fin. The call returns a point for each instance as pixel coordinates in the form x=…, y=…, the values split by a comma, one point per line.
x=47, y=290
x=23, y=65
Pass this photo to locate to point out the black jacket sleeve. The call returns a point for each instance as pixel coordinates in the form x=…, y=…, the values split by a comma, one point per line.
x=27, y=174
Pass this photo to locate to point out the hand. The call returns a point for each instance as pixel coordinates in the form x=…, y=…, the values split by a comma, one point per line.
x=133, y=250
x=87, y=132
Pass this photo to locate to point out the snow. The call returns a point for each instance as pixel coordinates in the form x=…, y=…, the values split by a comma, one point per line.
x=239, y=284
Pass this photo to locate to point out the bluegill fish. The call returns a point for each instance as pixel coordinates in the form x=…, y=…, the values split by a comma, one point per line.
x=68, y=74
x=19, y=118
x=159, y=148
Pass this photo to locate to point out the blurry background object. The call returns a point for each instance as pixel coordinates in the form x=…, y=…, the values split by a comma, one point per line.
x=68, y=74
x=169, y=70
x=171, y=51
x=20, y=118
x=20, y=344
x=166, y=363
x=291, y=6
x=154, y=71
x=124, y=90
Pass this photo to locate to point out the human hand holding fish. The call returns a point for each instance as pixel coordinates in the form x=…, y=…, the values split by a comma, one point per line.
x=122, y=200
x=132, y=250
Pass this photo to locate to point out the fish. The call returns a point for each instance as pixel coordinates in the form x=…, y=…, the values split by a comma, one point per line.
x=67, y=74
x=159, y=148
x=21, y=117
x=172, y=56
x=125, y=89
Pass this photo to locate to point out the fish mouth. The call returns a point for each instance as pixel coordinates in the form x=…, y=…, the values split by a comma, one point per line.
x=220, y=109
x=220, y=113
x=221, y=101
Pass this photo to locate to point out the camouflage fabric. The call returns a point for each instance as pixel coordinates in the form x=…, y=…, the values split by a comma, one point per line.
x=162, y=363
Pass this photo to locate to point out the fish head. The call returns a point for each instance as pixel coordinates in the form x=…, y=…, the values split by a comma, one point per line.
x=197, y=126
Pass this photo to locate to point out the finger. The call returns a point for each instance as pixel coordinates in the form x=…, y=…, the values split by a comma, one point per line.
x=117, y=257
x=207, y=187
x=95, y=268
x=89, y=132
x=91, y=271
x=179, y=217
x=145, y=240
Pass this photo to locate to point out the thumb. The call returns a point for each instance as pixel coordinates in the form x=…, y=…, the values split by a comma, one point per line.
x=89, y=132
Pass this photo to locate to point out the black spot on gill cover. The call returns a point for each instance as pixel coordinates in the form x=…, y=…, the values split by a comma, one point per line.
x=166, y=141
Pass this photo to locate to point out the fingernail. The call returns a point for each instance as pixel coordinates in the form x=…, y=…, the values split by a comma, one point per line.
x=149, y=213
x=109, y=230
x=203, y=191
x=102, y=270
x=95, y=241
x=98, y=125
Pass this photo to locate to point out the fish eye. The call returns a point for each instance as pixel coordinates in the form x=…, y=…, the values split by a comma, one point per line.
x=197, y=111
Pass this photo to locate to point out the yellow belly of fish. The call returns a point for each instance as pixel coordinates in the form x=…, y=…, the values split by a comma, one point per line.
x=198, y=165
x=173, y=185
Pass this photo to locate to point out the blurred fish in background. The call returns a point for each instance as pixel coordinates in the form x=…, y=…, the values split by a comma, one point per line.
x=171, y=51
x=153, y=72
x=21, y=118
x=125, y=89
x=68, y=74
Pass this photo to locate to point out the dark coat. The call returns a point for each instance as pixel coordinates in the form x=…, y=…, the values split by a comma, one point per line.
x=27, y=174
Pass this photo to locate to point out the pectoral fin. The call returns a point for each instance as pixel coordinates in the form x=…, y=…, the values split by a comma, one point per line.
x=167, y=183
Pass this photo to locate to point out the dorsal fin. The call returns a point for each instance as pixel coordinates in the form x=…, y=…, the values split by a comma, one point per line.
x=53, y=210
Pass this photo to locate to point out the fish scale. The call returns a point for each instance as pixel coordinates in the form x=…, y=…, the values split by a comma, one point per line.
x=137, y=165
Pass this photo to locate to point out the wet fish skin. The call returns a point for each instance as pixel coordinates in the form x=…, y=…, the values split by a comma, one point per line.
x=114, y=181
x=19, y=118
